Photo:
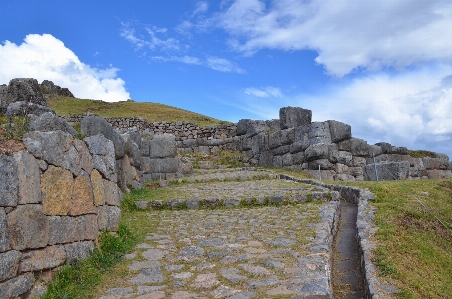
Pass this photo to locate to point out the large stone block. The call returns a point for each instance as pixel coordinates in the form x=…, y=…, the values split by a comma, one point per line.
x=145, y=146
x=12, y=288
x=251, y=128
x=387, y=171
x=49, y=146
x=277, y=161
x=319, y=132
x=185, y=166
x=113, y=195
x=385, y=147
x=86, y=162
x=82, y=201
x=50, y=122
x=78, y=250
x=22, y=108
x=9, y=182
x=439, y=174
x=317, y=151
x=163, y=146
x=345, y=158
x=93, y=125
x=28, y=227
x=166, y=165
x=359, y=147
x=274, y=140
x=298, y=158
x=65, y=229
x=287, y=160
x=24, y=89
x=4, y=239
x=287, y=136
x=9, y=263
x=131, y=149
x=103, y=155
x=98, y=188
x=266, y=159
x=339, y=131
x=47, y=258
x=281, y=150
x=29, y=178
x=291, y=117
x=242, y=126
x=108, y=218
x=56, y=186
x=435, y=163
x=323, y=163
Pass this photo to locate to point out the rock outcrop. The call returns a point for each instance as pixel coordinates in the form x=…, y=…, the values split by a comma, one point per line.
x=21, y=89
x=50, y=89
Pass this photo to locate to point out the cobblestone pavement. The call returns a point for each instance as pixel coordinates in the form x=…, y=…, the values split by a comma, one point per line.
x=237, y=253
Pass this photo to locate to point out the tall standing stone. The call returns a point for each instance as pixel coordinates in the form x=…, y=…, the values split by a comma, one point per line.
x=9, y=182
x=29, y=178
x=56, y=185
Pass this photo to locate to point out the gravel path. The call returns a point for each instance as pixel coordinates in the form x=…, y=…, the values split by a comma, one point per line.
x=256, y=252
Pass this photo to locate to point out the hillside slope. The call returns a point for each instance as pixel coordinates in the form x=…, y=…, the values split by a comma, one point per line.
x=152, y=112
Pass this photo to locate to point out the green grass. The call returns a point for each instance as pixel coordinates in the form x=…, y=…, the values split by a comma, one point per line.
x=151, y=112
x=421, y=153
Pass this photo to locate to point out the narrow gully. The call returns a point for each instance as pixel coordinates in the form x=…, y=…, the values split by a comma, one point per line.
x=348, y=281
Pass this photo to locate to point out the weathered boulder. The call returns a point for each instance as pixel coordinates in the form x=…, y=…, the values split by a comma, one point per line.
x=50, y=122
x=339, y=131
x=345, y=158
x=163, y=146
x=41, y=259
x=28, y=227
x=78, y=250
x=4, y=239
x=16, y=286
x=132, y=150
x=22, y=108
x=317, y=151
x=66, y=229
x=93, y=125
x=387, y=171
x=57, y=186
x=385, y=147
x=24, y=89
x=49, y=88
x=29, y=178
x=103, y=155
x=108, y=217
x=9, y=182
x=9, y=264
x=436, y=163
x=291, y=117
x=82, y=199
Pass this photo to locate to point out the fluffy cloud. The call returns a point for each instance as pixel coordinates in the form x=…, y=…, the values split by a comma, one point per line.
x=346, y=34
x=212, y=62
x=150, y=41
x=264, y=92
x=45, y=57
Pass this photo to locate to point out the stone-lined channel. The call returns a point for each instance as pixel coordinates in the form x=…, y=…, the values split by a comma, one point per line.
x=347, y=276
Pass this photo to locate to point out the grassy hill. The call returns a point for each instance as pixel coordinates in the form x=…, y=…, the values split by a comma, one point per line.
x=152, y=112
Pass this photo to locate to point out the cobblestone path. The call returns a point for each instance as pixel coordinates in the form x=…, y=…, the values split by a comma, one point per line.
x=237, y=253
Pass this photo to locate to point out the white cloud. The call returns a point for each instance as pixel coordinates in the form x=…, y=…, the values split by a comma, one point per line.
x=214, y=63
x=201, y=7
x=45, y=57
x=347, y=34
x=266, y=92
x=151, y=40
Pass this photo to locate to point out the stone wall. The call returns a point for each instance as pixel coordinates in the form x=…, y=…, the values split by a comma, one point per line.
x=181, y=130
x=55, y=198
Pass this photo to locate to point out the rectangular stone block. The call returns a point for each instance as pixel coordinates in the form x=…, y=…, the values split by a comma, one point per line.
x=79, y=250
x=9, y=263
x=288, y=136
x=9, y=182
x=113, y=195
x=319, y=132
x=439, y=174
x=4, y=239
x=281, y=150
x=339, y=131
x=162, y=146
x=47, y=258
x=291, y=117
x=16, y=286
x=29, y=178
x=28, y=227
x=166, y=165
x=108, y=218
x=274, y=140
x=387, y=171
x=70, y=229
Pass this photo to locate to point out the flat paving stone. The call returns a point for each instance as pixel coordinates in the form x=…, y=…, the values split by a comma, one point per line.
x=236, y=253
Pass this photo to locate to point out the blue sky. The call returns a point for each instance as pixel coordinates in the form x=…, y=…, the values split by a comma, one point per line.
x=384, y=67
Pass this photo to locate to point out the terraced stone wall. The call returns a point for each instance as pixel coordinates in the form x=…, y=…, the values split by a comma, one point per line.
x=55, y=198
